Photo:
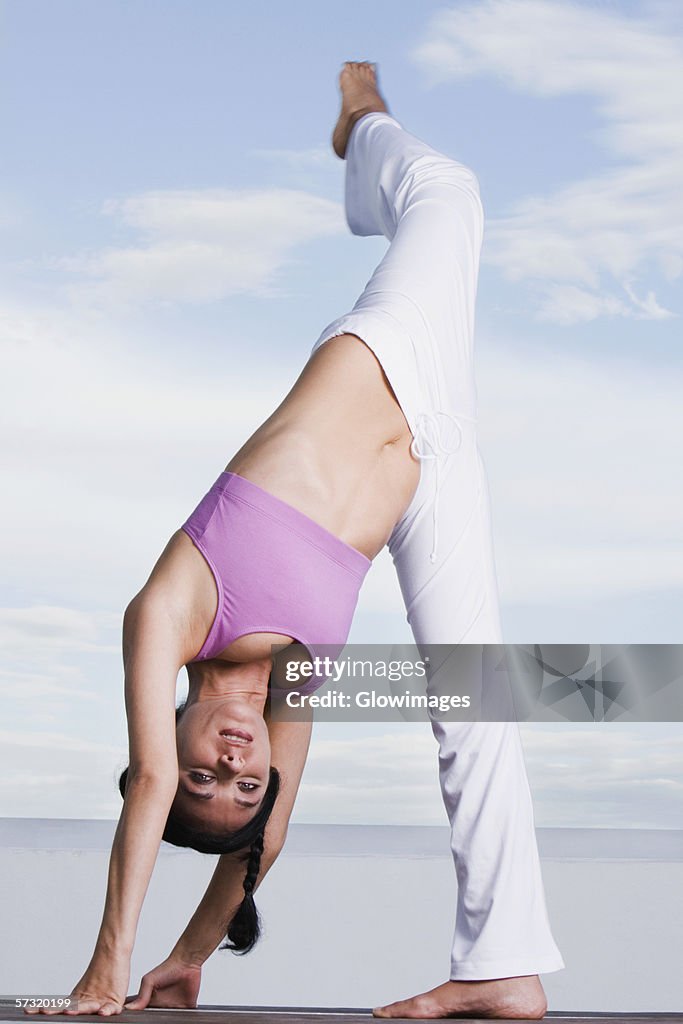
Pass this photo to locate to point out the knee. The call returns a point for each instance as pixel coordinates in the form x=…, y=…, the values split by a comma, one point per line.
x=446, y=171
x=452, y=191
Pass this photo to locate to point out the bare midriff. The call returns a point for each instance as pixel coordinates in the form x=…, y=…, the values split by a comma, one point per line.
x=338, y=447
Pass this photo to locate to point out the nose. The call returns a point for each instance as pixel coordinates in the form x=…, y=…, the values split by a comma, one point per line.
x=233, y=760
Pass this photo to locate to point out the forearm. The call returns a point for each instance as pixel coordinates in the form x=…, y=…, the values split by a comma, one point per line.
x=136, y=844
x=209, y=923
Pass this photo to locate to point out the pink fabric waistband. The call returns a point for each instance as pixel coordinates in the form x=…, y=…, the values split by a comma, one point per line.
x=296, y=521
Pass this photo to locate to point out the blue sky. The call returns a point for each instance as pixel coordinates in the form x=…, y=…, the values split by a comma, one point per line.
x=173, y=242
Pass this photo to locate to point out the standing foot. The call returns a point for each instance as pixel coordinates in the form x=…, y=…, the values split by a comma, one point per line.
x=500, y=999
x=360, y=95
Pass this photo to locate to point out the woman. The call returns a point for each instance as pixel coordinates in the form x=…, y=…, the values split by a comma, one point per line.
x=374, y=445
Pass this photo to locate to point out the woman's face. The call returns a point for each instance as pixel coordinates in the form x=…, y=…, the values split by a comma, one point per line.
x=223, y=763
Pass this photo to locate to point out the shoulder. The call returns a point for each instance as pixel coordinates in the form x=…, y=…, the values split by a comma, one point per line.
x=174, y=603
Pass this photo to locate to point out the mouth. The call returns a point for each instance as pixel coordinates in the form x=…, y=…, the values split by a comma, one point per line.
x=236, y=736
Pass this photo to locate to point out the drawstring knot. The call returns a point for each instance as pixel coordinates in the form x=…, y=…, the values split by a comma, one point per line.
x=431, y=440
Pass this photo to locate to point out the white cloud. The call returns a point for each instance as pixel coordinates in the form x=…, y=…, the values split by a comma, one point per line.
x=56, y=741
x=607, y=569
x=604, y=776
x=51, y=628
x=385, y=779
x=569, y=304
x=101, y=449
x=582, y=241
x=26, y=685
x=316, y=168
x=78, y=379
x=649, y=307
x=609, y=775
x=200, y=246
x=59, y=775
x=319, y=157
x=580, y=455
x=59, y=665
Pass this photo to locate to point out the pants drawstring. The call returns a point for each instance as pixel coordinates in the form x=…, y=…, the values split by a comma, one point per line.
x=430, y=442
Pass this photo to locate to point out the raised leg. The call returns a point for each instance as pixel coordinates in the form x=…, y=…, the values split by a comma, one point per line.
x=423, y=290
x=417, y=314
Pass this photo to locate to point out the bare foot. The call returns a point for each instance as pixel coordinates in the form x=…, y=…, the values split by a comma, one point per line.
x=360, y=95
x=500, y=999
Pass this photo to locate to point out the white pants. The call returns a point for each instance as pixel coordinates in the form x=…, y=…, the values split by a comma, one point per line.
x=417, y=315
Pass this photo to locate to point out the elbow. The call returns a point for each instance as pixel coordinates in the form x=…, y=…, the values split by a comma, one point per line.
x=131, y=620
x=153, y=616
x=146, y=778
x=272, y=847
x=143, y=612
x=133, y=609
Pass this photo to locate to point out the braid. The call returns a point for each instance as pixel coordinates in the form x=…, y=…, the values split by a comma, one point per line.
x=244, y=928
x=253, y=865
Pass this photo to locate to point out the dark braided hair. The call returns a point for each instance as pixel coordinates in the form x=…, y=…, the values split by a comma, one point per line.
x=244, y=928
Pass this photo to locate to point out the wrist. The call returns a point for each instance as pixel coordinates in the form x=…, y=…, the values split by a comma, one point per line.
x=189, y=955
x=112, y=947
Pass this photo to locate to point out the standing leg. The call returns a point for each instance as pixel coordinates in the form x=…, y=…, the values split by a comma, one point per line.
x=417, y=314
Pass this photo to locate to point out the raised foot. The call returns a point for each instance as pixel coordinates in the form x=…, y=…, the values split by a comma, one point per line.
x=500, y=999
x=360, y=95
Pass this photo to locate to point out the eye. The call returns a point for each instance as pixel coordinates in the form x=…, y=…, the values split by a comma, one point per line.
x=201, y=778
x=247, y=787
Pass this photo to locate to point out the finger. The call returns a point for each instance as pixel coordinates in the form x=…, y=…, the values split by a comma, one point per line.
x=141, y=1000
x=138, y=1002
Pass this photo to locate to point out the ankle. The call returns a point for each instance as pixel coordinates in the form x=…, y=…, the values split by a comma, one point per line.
x=363, y=112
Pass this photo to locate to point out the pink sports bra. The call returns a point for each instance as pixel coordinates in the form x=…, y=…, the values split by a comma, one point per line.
x=276, y=571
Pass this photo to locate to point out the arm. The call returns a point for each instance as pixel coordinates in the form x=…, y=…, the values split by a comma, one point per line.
x=152, y=640
x=104, y=984
x=177, y=980
x=150, y=653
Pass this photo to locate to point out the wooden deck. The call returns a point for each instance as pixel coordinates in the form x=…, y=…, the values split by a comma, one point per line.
x=292, y=1015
